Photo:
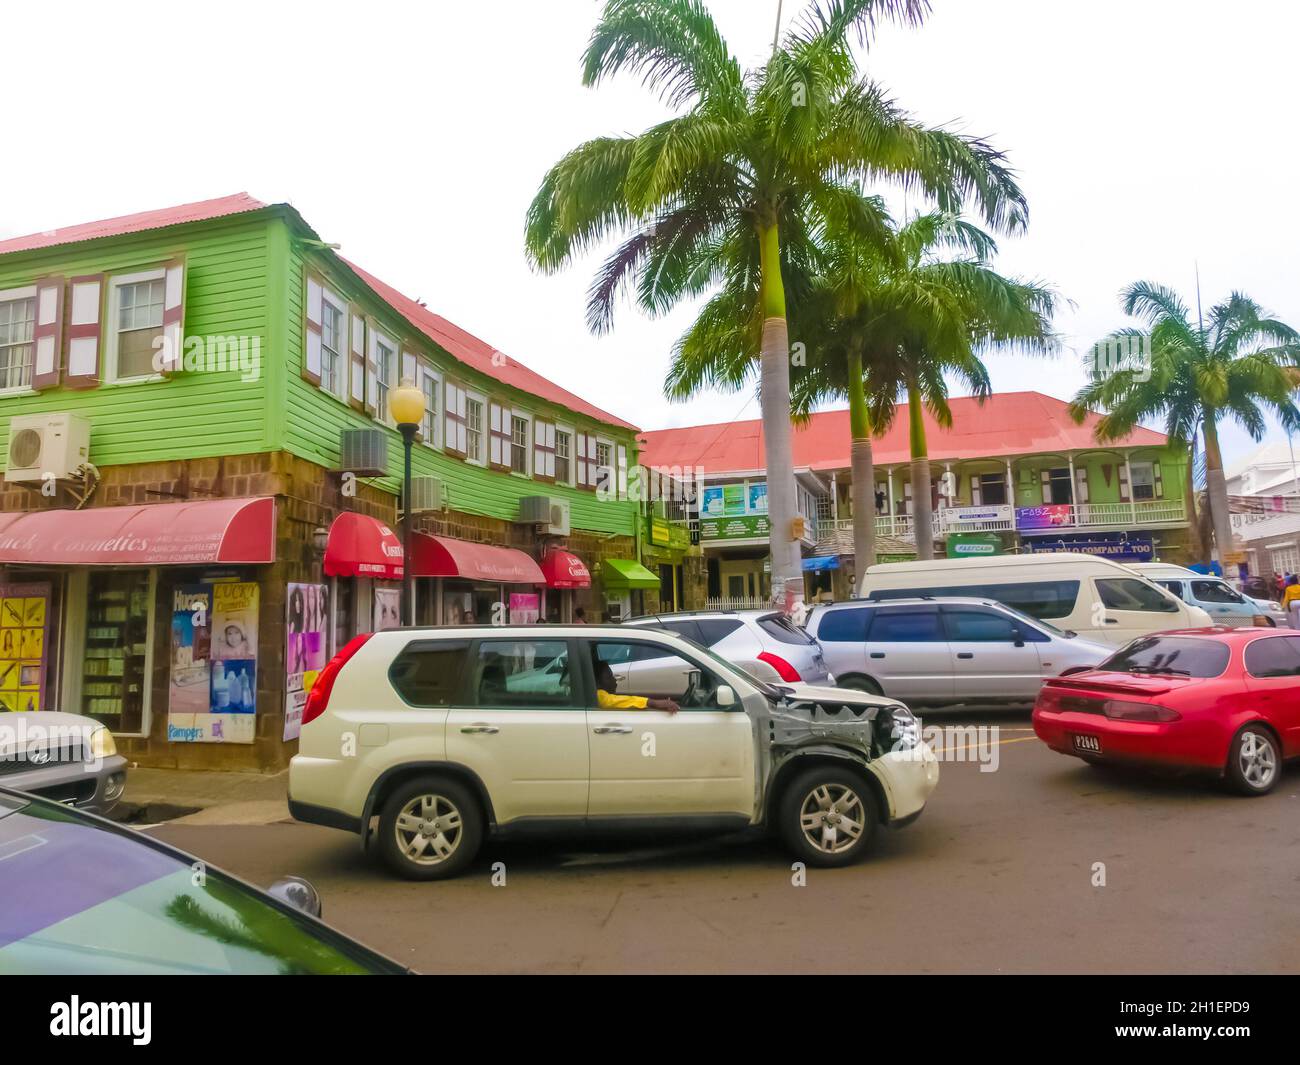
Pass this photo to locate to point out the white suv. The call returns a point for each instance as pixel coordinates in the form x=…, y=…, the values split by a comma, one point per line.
x=446, y=735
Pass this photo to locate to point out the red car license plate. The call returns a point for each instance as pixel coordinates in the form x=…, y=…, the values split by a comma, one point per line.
x=1088, y=744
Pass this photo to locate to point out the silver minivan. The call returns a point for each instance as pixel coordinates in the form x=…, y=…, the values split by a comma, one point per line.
x=943, y=651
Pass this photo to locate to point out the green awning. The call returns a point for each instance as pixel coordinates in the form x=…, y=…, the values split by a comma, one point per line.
x=624, y=573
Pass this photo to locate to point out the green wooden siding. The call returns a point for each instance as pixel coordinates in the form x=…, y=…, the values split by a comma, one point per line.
x=191, y=415
x=314, y=418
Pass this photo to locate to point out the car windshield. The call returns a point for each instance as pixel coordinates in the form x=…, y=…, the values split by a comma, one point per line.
x=1172, y=655
x=83, y=898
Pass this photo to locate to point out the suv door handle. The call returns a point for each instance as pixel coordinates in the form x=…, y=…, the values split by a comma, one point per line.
x=965, y=654
x=877, y=654
x=617, y=730
x=1111, y=621
x=488, y=730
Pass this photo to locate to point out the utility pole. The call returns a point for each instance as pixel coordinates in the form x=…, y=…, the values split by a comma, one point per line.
x=776, y=37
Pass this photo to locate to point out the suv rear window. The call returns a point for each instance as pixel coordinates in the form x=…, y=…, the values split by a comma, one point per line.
x=1184, y=656
x=428, y=673
x=781, y=628
x=844, y=626
x=1038, y=599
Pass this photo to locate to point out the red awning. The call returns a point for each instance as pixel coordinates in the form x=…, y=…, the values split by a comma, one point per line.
x=362, y=546
x=441, y=556
x=202, y=532
x=564, y=570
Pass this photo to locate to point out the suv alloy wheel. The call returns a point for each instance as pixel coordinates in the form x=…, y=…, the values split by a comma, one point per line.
x=827, y=815
x=430, y=829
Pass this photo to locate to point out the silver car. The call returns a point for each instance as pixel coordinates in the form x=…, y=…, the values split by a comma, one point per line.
x=942, y=651
x=764, y=643
x=64, y=757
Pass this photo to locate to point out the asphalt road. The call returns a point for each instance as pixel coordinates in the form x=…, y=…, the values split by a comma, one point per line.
x=996, y=876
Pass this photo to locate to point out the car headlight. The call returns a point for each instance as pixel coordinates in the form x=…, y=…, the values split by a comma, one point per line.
x=102, y=744
x=897, y=729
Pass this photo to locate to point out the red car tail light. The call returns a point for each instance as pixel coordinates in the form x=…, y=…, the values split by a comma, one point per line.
x=783, y=668
x=319, y=696
x=1119, y=710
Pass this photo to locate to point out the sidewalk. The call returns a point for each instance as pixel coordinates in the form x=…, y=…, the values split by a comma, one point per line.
x=195, y=797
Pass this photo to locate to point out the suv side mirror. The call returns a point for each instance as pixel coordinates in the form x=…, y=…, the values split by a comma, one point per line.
x=724, y=696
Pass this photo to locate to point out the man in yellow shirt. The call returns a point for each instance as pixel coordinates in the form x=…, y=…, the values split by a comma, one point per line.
x=607, y=696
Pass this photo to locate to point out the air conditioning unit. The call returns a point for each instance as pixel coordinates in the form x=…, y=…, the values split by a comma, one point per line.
x=42, y=445
x=426, y=494
x=364, y=452
x=550, y=515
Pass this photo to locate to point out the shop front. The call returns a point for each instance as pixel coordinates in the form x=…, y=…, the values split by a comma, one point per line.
x=565, y=573
x=625, y=583
x=477, y=584
x=663, y=552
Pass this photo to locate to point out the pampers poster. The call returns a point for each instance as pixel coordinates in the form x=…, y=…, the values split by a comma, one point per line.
x=216, y=624
x=307, y=612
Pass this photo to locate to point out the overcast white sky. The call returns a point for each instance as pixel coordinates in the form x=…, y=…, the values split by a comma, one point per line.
x=1148, y=134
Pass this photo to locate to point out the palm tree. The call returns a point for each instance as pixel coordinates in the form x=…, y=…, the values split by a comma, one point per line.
x=1234, y=366
x=903, y=323
x=729, y=191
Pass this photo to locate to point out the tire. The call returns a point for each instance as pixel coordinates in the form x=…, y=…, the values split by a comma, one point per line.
x=816, y=792
x=860, y=684
x=430, y=848
x=1254, y=761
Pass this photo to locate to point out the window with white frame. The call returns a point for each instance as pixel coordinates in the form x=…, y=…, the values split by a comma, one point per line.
x=136, y=324
x=17, y=321
x=563, y=456
x=474, y=429
x=429, y=385
x=332, y=336
x=385, y=368
x=1144, y=480
x=519, y=445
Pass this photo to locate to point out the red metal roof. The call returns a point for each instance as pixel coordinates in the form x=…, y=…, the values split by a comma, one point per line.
x=1010, y=423
x=199, y=532
x=199, y=211
x=454, y=340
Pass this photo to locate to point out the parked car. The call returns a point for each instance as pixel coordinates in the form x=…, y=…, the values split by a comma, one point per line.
x=85, y=896
x=1221, y=700
x=1214, y=595
x=945, y=651
x=1085, y=593
x=423, y=731
x=65, y=757
x=765, y=643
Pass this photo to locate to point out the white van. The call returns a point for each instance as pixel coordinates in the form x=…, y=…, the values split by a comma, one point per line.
x=1084, y=593
x=1214, y=595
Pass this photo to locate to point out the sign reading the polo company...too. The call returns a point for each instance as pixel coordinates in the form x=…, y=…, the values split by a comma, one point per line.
x=212, y=696
x=306, y=615
x=738, y=528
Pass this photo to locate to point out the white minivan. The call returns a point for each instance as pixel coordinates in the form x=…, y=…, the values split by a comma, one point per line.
x=1214, y=595
x=1082, y=593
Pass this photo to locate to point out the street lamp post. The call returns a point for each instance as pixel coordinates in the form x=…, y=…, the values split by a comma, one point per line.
x=406, y=405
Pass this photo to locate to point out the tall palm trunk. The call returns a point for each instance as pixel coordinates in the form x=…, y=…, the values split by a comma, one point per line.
x=1216, y=490
x=1197, y=546
x=922, y=507
x=774, y=383
x=863, y=471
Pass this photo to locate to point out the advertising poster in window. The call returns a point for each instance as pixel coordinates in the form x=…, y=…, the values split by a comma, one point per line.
x=525, y=608
x=307, y=613
x=24, y=624
x=189, y=687
x=758, y=497
x=388, y=608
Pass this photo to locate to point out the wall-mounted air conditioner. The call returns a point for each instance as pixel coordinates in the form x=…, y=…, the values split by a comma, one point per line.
x=42, y=445
x=364, y=452
x=550, y=515
x=426, y=494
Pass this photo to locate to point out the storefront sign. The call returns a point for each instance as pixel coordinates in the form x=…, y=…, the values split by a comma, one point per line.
x=974, y=515
x=742, y=528
x=660, y=531
x=817, y=563
x=212, y=694
x=1118, y=548
x=1048, y=516
x=966, y=545
x=727, y=500
x=24, y=623
x=306, y=618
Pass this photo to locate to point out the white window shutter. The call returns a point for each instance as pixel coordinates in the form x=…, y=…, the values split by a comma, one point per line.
x=1081, y=485
x=1045, y=479
x=357, y=359
x=494, y=434
x=372, y=370
x=173, y=351
x=453, y=419
x=1158, y=489
x=621, y=462
x=410, y=369
x=1124, y=495
x=86, y=299
x=976, y=494
x=313, y=316
x=48, y=333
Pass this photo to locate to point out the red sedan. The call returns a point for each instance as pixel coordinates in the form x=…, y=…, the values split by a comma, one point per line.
x=1217, y=699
